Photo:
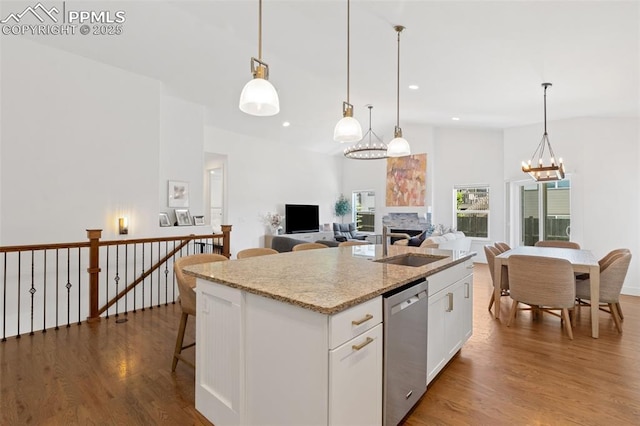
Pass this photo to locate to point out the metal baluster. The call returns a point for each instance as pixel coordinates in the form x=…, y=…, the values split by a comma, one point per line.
x=166, y=275
x=44, y=283
x=106, y=280
x=57, y=288
x=151, y=276
x=143, y=281
x=135, y=261
x=79, y=285
x=19, y=291
x=32, y=290
x=68, y=286
x=126, y=278
x=4, y=300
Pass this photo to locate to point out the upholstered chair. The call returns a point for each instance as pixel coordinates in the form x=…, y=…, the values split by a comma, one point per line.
x=187, y=299
x=253, y=252
x=613, y=270
x=545, y=282
x=308, y=246
x=558, y=244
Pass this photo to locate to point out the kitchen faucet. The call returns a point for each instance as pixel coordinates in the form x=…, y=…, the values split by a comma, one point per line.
x=386, y=234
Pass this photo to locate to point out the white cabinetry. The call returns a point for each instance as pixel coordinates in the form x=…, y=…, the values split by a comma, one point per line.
x=450, y=321
x=261, y=361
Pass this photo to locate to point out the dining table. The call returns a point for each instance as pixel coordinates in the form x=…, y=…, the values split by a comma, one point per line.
x=582, y=261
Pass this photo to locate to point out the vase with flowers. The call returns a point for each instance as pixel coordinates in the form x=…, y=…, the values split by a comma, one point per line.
x=275, y=221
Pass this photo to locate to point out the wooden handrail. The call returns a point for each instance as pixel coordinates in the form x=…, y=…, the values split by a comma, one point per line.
x=94, y=270
x=142, y=277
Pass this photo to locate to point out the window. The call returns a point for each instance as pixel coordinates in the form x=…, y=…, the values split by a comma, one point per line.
x=472, y=210
x=364, y=208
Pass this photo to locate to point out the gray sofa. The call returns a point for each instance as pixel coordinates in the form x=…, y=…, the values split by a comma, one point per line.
x=285, y=244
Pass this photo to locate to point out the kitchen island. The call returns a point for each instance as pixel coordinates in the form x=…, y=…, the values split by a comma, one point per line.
x=296, y=338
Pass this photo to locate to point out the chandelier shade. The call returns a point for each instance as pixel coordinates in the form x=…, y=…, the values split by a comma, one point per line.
x=258, y=96
x=399, y=146
x=535, y=167
x=348, y=129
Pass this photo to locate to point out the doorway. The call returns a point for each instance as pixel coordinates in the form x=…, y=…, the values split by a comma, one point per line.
x=216, y=183
x=544, y=211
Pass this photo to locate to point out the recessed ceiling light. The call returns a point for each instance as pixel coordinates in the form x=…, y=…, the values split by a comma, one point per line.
x=286, y=124
x=414, y=87
x=455, y=118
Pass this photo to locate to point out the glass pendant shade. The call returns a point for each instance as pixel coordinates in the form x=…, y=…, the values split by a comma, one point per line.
x=347, y=130
x=260, y=98
x=398, y=147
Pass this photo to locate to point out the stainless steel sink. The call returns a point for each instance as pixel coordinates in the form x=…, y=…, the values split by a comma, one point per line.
x=411, y=259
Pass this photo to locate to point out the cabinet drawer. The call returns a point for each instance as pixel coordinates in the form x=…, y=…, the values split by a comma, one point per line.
x=449, y=276
x=354, y=321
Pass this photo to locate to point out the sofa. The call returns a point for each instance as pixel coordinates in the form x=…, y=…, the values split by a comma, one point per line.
x=347, y=232
x=286, y=244
x=454, y=240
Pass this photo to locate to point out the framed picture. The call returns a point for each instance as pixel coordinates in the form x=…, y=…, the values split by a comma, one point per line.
x=178, y=194
x=183, y=217
x=198, y=220
x=164, y=219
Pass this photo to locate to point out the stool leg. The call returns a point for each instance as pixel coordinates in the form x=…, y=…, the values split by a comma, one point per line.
x=179, y=340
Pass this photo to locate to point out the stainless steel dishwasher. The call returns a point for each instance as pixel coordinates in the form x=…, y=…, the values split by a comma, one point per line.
x=405, y=349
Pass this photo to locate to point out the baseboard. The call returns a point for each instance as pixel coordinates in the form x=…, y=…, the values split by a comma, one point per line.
x=631, y=291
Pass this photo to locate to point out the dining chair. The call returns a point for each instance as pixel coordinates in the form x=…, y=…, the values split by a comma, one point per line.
x=613, y=270
x=308, y=246
x=502, y=246
x=352, y=243
x=545, y=282
x=253, y=252
x=490, y=253
x=558, y=244
x=187, y=299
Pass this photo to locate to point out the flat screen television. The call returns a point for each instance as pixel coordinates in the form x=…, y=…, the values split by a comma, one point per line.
x=300, y=218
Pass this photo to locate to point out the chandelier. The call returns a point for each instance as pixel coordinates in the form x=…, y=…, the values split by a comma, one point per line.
x=371, y=150
x=535, y=167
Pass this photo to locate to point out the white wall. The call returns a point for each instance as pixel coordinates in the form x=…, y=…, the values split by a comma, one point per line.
x=601, y=155
x=79, y=146
x=263, y=176
x=469, y=157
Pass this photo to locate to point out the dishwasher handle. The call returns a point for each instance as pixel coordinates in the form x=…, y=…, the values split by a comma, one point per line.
x=408, y=302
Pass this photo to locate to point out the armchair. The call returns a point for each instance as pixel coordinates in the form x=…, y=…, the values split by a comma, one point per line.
x=347, y=232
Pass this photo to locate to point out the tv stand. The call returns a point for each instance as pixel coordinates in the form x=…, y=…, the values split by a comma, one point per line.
x=305, y=236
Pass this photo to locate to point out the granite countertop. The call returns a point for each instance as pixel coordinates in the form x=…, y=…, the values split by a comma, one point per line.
x=325, y=280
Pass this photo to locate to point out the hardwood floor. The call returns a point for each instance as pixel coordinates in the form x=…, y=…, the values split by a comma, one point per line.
x=529, y=373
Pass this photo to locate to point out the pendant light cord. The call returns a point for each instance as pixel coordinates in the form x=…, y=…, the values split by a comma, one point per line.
x=260, y=31
x=545, y=110
x=399, y=29
x=348, y=47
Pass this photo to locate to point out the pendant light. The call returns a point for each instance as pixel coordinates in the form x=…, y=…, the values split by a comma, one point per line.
x=258, y=96
x=539, y=172
x=371, y=150
x=398, y=147
x=348, y=128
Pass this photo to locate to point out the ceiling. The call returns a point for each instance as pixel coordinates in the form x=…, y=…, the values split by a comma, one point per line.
x=481, y=61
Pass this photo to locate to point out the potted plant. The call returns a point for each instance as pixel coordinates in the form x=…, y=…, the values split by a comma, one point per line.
x=342, y=207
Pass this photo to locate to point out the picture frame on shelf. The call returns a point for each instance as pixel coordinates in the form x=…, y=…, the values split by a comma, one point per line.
x=164, y=220
x=198, y=220
x=178, y=194
x=183, y=217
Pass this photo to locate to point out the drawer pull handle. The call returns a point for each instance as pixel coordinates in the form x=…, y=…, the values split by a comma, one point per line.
x=450, y=302
x=363, y=320
x=362, y=345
